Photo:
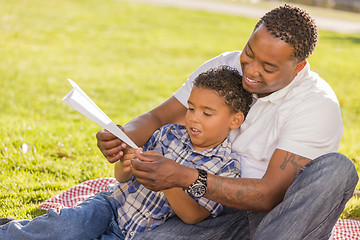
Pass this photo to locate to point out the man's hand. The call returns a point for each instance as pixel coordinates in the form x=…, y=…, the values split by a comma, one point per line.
x=157, y=173
x=111, y=147
x=129, y=154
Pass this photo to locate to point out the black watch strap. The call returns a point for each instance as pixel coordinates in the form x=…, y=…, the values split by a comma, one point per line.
x=202, y=176
x=198, y=188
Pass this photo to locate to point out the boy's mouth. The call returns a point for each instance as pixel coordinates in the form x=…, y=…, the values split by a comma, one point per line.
x=194, y=131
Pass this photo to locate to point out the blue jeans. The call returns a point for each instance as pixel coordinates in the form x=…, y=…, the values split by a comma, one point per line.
x=95, y=218
x=310, y=209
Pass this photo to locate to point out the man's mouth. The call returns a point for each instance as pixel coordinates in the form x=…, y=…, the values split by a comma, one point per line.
x=251, y=80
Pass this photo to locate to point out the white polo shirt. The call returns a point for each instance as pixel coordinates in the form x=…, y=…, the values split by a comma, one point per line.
x=303, y=118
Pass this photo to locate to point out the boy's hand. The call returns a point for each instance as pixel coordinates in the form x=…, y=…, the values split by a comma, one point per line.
x=157, y=173
x=129, y=154
x=152, y=152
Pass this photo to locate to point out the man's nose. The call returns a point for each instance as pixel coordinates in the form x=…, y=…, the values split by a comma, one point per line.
x=252, y=69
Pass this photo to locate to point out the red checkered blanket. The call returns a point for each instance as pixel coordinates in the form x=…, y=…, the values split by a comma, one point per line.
x=75, y=195
x=344, y=229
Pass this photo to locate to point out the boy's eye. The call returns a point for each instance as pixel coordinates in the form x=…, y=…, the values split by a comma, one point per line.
x=207, y=114
x=190, y=109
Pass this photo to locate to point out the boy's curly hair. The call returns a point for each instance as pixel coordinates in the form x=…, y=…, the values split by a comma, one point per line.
x=227, y=82
x=294, y=26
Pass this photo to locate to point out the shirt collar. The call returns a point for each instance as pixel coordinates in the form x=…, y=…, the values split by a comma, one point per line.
x=218, y=151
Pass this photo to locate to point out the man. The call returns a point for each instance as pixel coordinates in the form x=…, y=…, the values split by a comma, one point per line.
x=293, y=185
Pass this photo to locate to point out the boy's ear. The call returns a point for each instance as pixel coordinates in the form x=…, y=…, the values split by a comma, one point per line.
x=236, y=120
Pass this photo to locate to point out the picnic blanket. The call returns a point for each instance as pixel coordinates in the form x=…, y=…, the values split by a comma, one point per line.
x=344, y=229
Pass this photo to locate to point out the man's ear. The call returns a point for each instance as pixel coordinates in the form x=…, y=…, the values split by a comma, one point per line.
x=236, y=120
x=299, y=67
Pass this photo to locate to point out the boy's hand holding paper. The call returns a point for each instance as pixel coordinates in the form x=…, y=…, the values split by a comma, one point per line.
x=78, y=100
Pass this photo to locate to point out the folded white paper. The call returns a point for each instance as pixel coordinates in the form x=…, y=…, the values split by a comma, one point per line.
x=78, y=100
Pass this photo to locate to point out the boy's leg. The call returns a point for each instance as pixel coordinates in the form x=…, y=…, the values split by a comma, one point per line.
x=230, y=224
x=113, y=232
x=314, y=202
x=89, y=220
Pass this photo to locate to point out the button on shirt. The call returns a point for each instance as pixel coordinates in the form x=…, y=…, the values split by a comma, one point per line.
x=303, y=118
x=140, y=209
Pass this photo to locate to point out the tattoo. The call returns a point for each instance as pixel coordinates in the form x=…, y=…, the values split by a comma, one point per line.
x=236, y=192
x=293, y=160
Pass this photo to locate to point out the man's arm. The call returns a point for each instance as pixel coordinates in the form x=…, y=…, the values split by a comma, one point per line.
x=159, y=173
x=258, y=194
x=141, y=128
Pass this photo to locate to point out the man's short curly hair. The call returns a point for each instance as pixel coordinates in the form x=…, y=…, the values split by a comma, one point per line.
x=294, y=26
x=227, y=83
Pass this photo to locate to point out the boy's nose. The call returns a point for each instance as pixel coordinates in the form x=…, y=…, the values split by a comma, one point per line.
x=194, y=117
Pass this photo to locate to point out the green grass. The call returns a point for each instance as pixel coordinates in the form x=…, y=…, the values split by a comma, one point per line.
x=128, y=58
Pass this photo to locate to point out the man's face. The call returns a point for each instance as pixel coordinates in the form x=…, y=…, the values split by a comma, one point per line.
x=266, y=63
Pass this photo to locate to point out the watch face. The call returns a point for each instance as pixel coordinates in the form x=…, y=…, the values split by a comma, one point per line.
x=198, y=190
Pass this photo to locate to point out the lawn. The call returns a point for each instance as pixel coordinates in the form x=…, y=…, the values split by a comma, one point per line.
x=128, y=57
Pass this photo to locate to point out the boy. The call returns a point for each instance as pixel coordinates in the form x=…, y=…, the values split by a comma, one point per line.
x=217, y=104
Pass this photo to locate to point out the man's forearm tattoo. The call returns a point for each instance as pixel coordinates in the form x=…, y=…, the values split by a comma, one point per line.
x=232, y=192
x=292, y=160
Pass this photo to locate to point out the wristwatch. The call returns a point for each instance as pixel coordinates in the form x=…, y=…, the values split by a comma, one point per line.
x=198, y=188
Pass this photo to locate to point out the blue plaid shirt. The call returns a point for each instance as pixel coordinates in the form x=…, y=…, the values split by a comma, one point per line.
x=140, y=209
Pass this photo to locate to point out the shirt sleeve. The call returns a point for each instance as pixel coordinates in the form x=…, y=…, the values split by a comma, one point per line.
x=151, y=143
x=154, y=143
x=158, y=141
x=231, y=59
x=309, y=132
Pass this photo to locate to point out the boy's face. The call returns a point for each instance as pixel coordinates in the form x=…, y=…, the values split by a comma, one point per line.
x=208, y=120
x=266, y=63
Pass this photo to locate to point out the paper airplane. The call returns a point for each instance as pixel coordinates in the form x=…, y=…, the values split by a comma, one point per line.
x=78, y=100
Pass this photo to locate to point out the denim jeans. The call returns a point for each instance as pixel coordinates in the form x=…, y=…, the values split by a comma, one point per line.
x=95, y=218
x=309, y=210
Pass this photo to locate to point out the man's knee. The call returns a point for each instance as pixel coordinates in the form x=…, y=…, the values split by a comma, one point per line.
x=339, y=169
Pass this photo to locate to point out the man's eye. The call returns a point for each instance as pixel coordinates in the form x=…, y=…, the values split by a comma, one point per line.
x=268, y=71
x=248, y=53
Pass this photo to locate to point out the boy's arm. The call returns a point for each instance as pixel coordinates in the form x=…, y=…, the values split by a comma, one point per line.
x=191, y=211
x=185, y=207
